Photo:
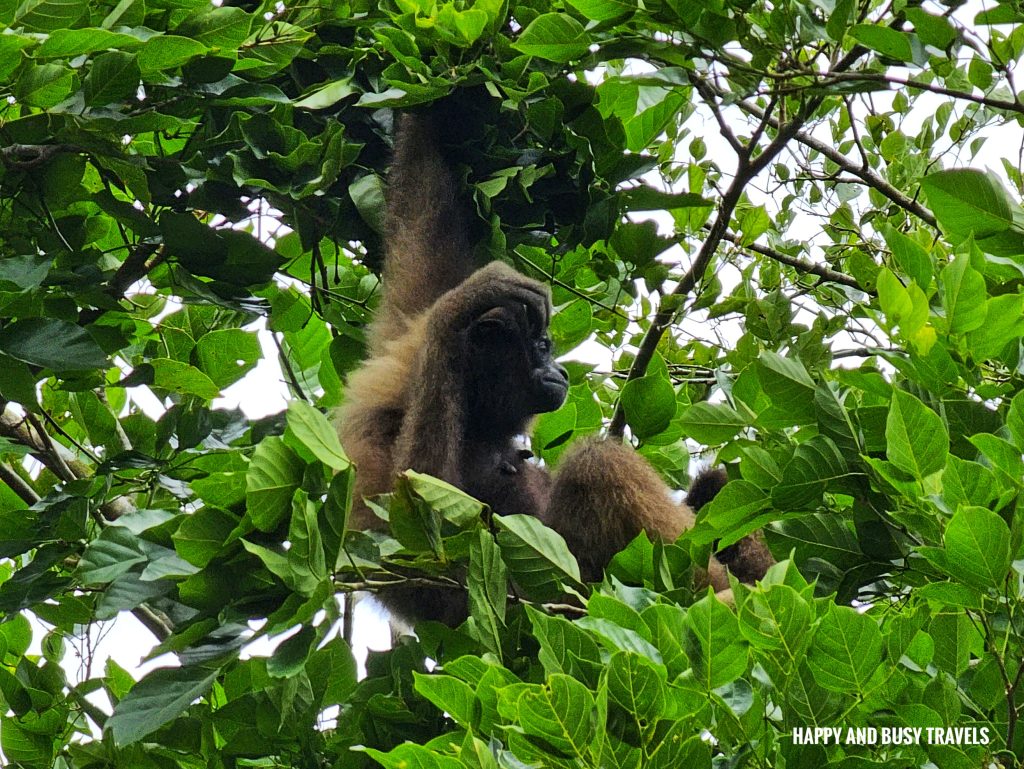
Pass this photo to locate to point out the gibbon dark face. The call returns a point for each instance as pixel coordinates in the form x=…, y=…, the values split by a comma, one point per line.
x=513, y=368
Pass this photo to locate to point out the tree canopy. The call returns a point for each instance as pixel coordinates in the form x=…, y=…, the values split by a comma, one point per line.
x=793, y=227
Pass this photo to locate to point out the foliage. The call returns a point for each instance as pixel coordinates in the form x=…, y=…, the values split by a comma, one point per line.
x=831, y=303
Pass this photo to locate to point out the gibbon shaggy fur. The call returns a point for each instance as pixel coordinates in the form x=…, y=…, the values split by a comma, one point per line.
x=459, y=362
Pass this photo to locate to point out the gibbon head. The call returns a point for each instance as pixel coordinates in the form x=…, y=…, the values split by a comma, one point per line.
x=513, y=374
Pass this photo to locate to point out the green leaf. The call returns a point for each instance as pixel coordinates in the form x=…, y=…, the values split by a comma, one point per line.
x=182, y=378
x=51, y=343
x=916, y=438
x=275, y=472
x=68, y=43
x=538, y=557
x=966, y=201
x=603, y=10
x=156, y=700
x=649, y=404
x=911, y=257
x=977, y=543
x=680, y=747
x=776, y=619
x=410, y=756
x=717, y=651
x=227, y=354
x=328, y=95
x=565, y=647
x=223, y=28
x=964, y=295
x=637, y=685
x=487, y=583
x=450, y=695
x=367, y=193
x=166, y=52
x=303, y=567
x=309, y=428
x=46, y=15
x=885, y=40
x=788, y=385
x=112, y=77
x=1002, y=454
x=847, y=650
x=289, y=658
x=815, y=464
x=1004, y=323
x=25, y=271
x=560, y=712
x=202, y=534
x=44, y=85
x=731, y=515
x=712, y=423
x=452, y=503
x=556, y=37
x=1015, y=419
x=932, y=30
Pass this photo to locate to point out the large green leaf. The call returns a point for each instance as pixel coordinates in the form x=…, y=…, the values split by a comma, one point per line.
x=275, y=472
x=537, y=557
x=555, y=37
x=966, y=201
x=310, y=429
x=963, y=295
x=916, y=438
x=157, y=699
x=649, y=403
x=847, y=650
x=51, y=343
x=977, y=545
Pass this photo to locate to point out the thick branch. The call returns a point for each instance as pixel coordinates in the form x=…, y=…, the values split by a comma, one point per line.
x=17, y=484
x=54, y=456
x=156, y=622
x=747, y=170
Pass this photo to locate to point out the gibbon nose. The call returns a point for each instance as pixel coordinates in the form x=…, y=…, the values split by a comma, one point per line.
x=557, y=375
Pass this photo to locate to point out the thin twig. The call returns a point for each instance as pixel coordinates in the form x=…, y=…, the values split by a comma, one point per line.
x=868, y=176
x=878, y=77
x=803, y=265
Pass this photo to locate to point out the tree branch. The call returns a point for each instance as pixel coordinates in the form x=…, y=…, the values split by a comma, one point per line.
x=865, y=174
x=747, y=169
x=28, y=431
x=803, y=265
x=17, y=484
x=139, y=261
x=878, y=77
x=724, y=128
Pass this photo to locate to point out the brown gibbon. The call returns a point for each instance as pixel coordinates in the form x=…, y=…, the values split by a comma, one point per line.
x=459, y=362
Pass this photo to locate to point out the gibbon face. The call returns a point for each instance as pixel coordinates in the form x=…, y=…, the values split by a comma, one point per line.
x=513, y=373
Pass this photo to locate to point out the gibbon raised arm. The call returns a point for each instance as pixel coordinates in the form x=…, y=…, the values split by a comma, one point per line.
x=460, y=360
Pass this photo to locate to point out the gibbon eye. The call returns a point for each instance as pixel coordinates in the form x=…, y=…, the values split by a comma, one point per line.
x=544, y=345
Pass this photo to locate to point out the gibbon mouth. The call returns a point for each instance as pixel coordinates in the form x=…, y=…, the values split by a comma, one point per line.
x=556, y=380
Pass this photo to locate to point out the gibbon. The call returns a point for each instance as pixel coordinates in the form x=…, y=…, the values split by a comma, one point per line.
x=459, y=362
